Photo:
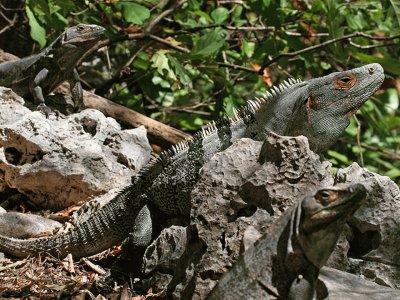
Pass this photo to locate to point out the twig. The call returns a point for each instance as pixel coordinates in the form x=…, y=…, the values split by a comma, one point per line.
x=16, y=264
x=369, y=46
x=170, y=45
x=387, y=154
x=227, y=27
x=162, y=15
x=326, y=43
x=237, y=67
x=93, y=266
x=358, y=140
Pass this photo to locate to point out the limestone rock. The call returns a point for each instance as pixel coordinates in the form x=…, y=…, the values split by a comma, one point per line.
x=341, y=285
x=61, y=160
x=225, y=200
x=374, y=246
x=21, y=225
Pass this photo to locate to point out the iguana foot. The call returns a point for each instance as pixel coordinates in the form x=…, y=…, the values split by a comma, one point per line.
x=44, y=109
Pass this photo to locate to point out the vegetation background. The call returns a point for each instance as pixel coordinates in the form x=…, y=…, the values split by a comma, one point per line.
x=187, y=62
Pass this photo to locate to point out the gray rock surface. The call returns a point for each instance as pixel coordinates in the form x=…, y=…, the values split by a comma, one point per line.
x=224, y=205
x=20, y=225
x=57, y=161
x=341, y=285
x=374, y=248
x=225, y=220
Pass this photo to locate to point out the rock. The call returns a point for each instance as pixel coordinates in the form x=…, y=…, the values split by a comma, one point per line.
x=59, y=161
x=341, y=285
x=21, y=225
x=374, y=246
x=224, y=204
x=173, y=241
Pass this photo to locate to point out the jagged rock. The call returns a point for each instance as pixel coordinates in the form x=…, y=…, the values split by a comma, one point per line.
x=58, y=161
x=374, y=246
x=21, y=225
x=341, y=285
x=173, y=241
x=224, y=204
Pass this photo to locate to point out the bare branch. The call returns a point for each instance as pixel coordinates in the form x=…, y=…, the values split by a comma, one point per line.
x=326, y=43
x=168, y=44
x=369, y=46
x=149, y=27
x=237, y=67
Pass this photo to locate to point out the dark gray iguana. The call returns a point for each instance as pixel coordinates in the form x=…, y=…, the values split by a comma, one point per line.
x=38, y=75
x=319, y=108
x=285, y=262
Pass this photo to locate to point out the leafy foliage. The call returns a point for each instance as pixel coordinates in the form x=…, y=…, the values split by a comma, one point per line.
x=194, y=74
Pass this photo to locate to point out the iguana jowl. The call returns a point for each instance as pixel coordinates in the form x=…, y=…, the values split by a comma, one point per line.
x=284, y=263
x=38, y=75
x=319, y=109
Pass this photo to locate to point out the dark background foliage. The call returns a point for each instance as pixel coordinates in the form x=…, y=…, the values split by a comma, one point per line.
x=185, y=63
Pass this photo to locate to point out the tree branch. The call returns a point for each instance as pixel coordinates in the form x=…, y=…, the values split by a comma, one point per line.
x=326, y=43
x=162, y=15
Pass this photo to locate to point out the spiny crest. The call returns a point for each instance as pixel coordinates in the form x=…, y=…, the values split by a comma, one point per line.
x=246, y=111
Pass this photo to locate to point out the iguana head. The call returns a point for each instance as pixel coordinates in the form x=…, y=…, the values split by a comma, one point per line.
x=327, y=104
x=319, y=109
x=82, y=34
x=73, y=43
x=319, y=219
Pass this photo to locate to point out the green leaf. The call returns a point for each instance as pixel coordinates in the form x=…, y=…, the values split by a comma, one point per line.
x=396, y=8
x=340, y=157
x=207, y=45
x=37, y=31
x=389, y=64
x=135, y=13
x=355, y=22
x=179, y=70
x=160, y=62
x=203, y=15
x=393, y=173
x=248, y=48
x=220, y=14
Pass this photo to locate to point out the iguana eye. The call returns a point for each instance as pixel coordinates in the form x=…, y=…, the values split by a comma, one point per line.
x=79, y=28
x=346, y=81
x=326, y=197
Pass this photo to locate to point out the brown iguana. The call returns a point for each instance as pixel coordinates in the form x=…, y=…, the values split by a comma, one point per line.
x=41, y=73
x=319, y=108
x=284, y=263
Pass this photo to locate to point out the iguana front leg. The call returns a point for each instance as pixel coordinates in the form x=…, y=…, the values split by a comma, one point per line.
x=37, y=92
x=76, y=90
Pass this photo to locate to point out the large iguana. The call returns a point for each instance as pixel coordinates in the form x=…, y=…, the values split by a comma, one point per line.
x=39, y=74
x=284, y=263
x=319, y=108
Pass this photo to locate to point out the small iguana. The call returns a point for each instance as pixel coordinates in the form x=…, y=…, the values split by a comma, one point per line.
x=284, y=263
x=39, y=74
x=319, y=109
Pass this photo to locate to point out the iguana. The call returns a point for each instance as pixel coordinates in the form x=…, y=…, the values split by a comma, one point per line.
x=284, y=263
x=39, y=74
x=319, y=108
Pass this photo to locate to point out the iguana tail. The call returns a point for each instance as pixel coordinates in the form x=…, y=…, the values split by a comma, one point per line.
x=104, y=229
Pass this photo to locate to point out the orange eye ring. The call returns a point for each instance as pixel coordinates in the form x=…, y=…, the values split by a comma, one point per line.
x=346, y=81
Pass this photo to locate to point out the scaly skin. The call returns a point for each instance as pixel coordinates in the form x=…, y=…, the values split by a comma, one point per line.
x=319, y=109
x=284, y=263
x=38, y=75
